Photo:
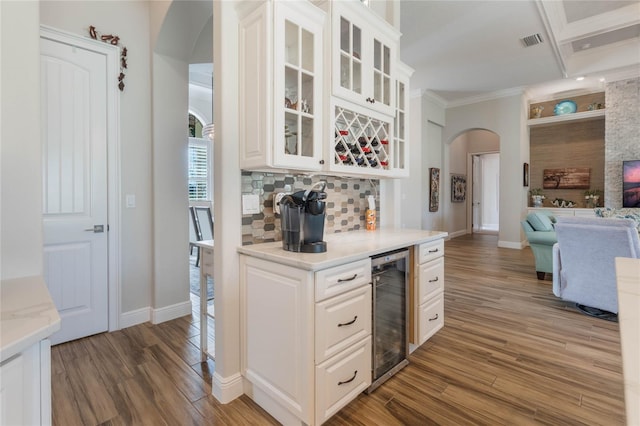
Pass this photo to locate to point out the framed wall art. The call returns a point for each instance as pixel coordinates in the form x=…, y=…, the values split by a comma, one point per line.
x=458, y=188
x=434, y=189
x=567, y=178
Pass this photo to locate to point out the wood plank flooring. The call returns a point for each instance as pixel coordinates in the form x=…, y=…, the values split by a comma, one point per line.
x=510, y=353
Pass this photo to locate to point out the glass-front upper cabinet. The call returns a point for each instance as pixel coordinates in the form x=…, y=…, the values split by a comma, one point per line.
x=400, y=155
x=281, y=86
x=297, y=85
x=364, y=51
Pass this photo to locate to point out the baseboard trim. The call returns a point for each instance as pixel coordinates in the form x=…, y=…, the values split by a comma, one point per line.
x=511, y=245
x=170, y=312
x=135, y=317
x=459, y=233
x=226, y=389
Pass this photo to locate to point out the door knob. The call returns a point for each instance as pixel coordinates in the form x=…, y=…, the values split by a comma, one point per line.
x=96, y=229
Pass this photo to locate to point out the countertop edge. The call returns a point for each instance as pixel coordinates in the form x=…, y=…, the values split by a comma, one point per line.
x=28, y=315
x=353, y=246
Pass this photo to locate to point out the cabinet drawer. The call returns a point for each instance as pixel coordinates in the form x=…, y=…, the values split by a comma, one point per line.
x=430, y=279
x=342, y=321
x=430, y=250
x=206, y=261
x=341, y=378
x=430, y=318
x=339, y=279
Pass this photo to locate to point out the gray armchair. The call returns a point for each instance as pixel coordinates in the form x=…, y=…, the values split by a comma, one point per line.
x=584, y=261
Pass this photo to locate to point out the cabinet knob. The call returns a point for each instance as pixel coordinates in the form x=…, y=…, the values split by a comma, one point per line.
x=321, y=161
x=371, y=100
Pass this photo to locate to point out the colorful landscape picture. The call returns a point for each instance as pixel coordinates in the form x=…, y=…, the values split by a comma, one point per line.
x=631, y=183
x=568, y=178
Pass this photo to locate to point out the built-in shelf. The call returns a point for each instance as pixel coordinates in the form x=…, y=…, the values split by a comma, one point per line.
x=556, y=119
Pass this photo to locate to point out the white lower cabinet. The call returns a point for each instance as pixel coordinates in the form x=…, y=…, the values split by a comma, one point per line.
x=429, y=291
x=25, y=387
x=306, y=337
x=342, y=378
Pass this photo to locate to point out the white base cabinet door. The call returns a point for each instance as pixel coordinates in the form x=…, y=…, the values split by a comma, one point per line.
x=25, y=387
x=306, y=337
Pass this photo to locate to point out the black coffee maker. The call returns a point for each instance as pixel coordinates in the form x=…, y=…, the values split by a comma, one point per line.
x=302, y=216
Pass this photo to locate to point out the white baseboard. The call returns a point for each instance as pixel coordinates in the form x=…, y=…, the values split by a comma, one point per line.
x=135, y=317
x=170, y=312
x=511, y=245
x=226, y=389
x=457, y=233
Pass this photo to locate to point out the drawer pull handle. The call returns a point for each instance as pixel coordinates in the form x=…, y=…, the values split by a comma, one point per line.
x=434, y=280
x=434, y=318
x=348, y=323
x=341, y=280
x=355, y=373
x=433, y=251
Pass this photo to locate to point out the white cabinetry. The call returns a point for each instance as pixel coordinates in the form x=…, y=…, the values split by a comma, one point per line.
x=400, y=154
x=429, y=291
x=25, y=387
x=363, y=56
x=281, y=83
x=563, y=212
x=306, y=337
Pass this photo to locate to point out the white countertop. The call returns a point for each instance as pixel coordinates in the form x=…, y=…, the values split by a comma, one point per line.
x=343, y=247
x=628, y=284
x=27, y=314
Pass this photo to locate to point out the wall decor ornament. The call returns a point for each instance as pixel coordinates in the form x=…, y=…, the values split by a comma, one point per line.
x=458, y=188
x=114, y=40
x=567, y=178
x=434, y=189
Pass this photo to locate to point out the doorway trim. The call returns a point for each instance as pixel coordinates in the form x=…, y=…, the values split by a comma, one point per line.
x=112, y=54
x=470, y=183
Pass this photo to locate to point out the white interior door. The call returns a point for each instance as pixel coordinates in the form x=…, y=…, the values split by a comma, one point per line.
x=74, y=137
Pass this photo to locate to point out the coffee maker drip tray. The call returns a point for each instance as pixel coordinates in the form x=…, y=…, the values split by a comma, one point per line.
x=316, y=247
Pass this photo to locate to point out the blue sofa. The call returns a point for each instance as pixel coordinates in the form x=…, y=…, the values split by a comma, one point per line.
x=584, y=260
x=539, y=230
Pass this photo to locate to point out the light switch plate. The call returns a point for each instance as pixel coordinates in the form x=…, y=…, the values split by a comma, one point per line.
x=250, y=204
x=130, y=200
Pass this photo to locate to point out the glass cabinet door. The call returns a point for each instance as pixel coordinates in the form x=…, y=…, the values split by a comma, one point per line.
x=297, y=97
x=350, y=56
x=381, y=72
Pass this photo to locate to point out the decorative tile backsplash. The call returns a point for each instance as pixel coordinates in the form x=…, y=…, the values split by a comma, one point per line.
x=346, y=203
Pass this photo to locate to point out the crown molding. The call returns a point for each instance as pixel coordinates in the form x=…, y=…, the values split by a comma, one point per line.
x=487, y=97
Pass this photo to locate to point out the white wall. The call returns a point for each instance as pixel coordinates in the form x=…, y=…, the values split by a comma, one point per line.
x=457, y=217
x=130, y=21
x=506, y=117
x=432, y=125
x=21, y=252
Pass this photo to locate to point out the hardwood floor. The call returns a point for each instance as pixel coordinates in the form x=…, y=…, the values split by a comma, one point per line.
x=510, y=353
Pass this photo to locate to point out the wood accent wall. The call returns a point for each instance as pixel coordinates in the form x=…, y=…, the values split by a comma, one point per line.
x=569, y=144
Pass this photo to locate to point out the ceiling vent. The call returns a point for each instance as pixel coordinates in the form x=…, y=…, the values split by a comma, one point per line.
x=532, y=40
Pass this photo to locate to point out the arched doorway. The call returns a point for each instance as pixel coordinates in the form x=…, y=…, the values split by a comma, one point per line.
x=473, y=158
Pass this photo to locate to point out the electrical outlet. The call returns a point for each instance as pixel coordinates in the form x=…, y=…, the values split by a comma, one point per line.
x=276, y=201
x=250, y=204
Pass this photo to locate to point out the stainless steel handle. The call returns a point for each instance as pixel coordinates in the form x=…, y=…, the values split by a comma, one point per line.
x=434, y=318
x=341, y=280
x=434, y=280
x=96, y=229
x=348, y=323
x=355, y=373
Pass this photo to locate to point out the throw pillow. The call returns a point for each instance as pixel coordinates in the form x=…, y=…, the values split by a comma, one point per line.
x=540, y=222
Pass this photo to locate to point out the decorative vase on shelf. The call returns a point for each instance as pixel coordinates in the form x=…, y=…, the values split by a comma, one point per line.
x=537, y=200
x=591, y=201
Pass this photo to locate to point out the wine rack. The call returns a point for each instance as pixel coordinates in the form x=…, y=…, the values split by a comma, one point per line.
x=360, y=140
